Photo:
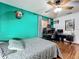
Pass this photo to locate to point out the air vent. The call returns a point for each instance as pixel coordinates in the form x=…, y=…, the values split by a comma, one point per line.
x=69, y=13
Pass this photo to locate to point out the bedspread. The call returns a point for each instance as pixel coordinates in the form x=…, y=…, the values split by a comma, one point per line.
x=37, y=48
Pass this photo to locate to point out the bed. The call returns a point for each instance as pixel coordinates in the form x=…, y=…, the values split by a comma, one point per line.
x=36, y=48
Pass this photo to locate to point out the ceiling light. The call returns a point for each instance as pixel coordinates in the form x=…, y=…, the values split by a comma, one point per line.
x=57, y=10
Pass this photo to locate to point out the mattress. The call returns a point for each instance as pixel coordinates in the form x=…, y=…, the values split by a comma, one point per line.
x=37, y=48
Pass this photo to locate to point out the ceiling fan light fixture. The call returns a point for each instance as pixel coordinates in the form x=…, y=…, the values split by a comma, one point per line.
x=58, y=10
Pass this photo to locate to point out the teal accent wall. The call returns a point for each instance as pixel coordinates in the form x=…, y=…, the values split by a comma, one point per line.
x=10, y=27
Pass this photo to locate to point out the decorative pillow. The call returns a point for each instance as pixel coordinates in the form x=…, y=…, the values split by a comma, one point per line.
x=16, y=45
x=4, y=51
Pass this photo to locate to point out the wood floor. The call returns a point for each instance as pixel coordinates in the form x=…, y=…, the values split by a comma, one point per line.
x=69, y=51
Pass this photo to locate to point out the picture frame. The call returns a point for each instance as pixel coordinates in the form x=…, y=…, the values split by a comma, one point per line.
x=70, y=25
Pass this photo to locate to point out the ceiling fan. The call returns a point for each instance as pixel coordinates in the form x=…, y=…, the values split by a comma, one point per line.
x=60, y=4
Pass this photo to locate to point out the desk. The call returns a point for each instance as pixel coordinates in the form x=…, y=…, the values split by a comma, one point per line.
x=65, y=36
x=59, y=37
x=47, y=36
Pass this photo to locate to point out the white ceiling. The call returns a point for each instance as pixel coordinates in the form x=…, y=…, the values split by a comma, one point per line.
x=40, y=7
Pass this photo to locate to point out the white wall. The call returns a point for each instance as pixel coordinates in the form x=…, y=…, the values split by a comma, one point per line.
x=61, y=24
x=36, y=6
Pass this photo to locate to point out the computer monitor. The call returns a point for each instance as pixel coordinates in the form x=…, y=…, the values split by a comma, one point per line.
x=60, y=30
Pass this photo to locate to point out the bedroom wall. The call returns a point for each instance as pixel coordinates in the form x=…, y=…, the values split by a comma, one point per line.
x=61, y=24
x=10, y=27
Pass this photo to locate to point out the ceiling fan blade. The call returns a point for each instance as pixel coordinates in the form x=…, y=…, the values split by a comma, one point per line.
x=67, y=7
x=51, y=3
x=64, y=2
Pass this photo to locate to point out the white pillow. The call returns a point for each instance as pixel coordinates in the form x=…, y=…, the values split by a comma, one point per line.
x=16, y=45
